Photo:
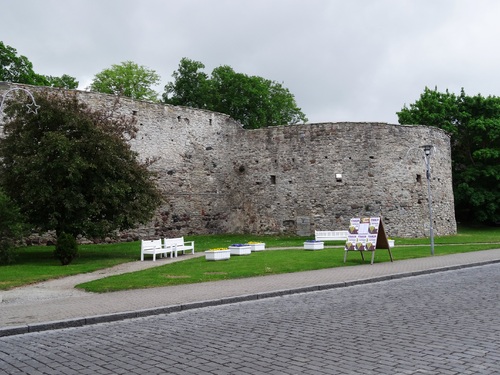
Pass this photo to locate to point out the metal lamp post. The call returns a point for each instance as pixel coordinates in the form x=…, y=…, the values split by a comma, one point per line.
x=32, y=108
x=427, y=157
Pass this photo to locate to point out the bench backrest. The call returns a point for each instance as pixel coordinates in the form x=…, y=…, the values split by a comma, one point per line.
x=331, y=234
x=174, y=241
x=150, y=244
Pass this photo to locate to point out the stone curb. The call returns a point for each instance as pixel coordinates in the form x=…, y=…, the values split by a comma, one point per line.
x=107, y=318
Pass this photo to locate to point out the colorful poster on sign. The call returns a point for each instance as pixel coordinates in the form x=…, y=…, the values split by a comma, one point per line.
x=361, y=242
x=363, y=234
x=351, y=242
x=353, y=228
x=374, y=225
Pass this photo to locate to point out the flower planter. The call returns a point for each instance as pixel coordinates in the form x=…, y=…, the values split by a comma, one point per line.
x=240, y=250
x=217, y=254
x=257, y=246
x=391, y=243
x=314, y=245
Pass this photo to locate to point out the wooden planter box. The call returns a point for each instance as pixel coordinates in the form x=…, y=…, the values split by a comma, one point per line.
x=317, y=245
x=217, y=255
x=240, y=250
x=257, y=246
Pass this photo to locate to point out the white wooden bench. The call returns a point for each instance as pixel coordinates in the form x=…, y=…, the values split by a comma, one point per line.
x=154, y=247
x=331, y=235
x=178, y=245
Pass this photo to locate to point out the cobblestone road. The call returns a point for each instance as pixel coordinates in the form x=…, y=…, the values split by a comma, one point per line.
x=443, y=323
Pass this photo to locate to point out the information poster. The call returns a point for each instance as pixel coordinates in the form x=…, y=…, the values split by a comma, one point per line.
x=364, y=234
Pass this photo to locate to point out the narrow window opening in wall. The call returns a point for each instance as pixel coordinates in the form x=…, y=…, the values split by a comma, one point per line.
x=372, y=157
x=178, y=118
x=290, y=182
x=273, y=179
x=293, y=159
x=257, y=182
x=419, y=178
x=210, y=121
x=134, y=113
x=326, y=157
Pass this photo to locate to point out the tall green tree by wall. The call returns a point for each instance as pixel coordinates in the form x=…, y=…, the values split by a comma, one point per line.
x=127, y=79
x=254, y=101
x=70, y=169
x=19, y=69
x=474, y=125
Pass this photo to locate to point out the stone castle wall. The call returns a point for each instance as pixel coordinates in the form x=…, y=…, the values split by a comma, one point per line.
x=217, y=177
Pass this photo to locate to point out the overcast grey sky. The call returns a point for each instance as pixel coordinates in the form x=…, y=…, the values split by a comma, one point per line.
x=344, y=60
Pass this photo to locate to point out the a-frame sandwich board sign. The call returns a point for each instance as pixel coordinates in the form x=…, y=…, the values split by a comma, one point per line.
x=366, y=234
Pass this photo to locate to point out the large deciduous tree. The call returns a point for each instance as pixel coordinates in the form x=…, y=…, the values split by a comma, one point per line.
x=474, y=125
x=127, y=79
x=70, y=169
x=19, y=69
x=254, y=101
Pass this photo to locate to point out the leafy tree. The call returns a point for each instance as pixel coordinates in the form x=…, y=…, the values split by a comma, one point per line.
x=19, y=69
x=64, y=82
x=127, y=79
x=474, y=125
x=71, y=170
x=190, y=87
x=254, y=101
x=12, y=228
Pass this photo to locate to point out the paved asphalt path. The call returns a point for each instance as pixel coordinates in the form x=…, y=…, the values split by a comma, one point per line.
x=439, y=323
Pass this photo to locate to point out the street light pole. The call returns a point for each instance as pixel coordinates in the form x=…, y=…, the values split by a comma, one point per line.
x=427, y=157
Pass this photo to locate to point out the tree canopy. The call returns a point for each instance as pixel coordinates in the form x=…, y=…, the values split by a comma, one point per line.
x=19, y=69
x=254, y=101
x=474, y=125
x=70, y=169
x=127, y=79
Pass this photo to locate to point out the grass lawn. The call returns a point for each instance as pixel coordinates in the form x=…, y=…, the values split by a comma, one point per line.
x=36, y=263
x=196, y=270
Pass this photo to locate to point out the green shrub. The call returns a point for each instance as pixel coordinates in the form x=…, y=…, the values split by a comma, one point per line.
x=66, y=248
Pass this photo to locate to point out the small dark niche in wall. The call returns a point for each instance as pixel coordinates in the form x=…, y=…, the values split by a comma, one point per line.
x=273, y=179
x=209, y=121
x=419, y=178
x=257, y=182
x=170, y=172
x=178, y=118
x=372, y=157
x=241, y=169
x=134, y=113
x=209, y=148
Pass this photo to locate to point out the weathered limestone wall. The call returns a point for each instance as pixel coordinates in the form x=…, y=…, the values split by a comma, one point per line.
x=218, y=178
